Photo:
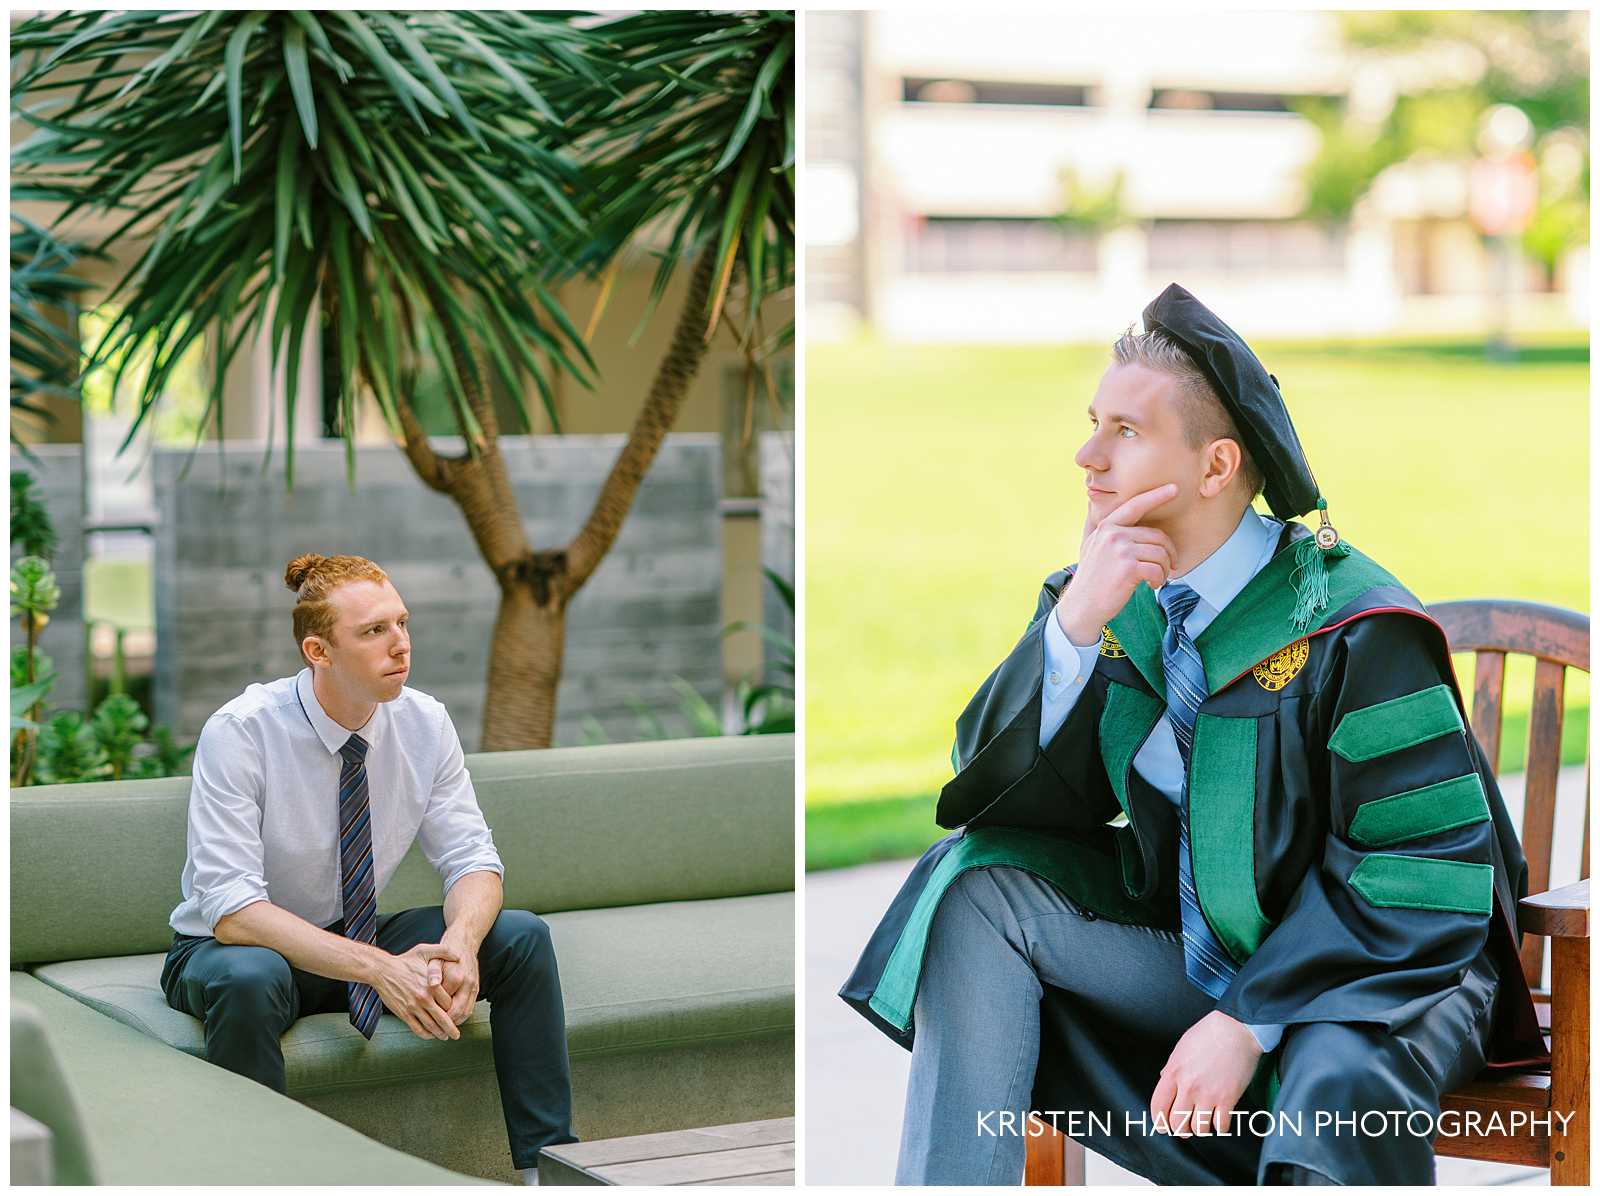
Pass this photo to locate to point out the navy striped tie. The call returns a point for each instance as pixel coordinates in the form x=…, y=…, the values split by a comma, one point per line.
x=1205, y=961
x=360, y=902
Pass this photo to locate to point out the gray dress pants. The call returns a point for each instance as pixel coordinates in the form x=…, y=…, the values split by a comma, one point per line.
x=1001, y=933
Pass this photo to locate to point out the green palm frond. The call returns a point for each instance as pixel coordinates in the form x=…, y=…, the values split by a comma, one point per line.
x=44, y=354
x=409, y=171
x=700, y=144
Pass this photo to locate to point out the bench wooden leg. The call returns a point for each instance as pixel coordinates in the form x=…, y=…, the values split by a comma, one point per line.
x=1052, y=1158
x=1569, y=1068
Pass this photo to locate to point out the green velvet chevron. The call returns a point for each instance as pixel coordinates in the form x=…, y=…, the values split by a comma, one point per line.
x=1421, y=882
x=1418, y=813
x=1399, y=723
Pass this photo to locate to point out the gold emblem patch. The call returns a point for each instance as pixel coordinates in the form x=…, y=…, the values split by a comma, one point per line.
x=1280, y=668
x=1108, y=643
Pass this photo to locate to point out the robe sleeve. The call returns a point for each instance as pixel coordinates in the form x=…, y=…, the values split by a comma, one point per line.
x=1003, y=777
x=1397, y=903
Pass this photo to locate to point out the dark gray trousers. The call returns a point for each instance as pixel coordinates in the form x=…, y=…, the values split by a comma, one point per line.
x=248, y=996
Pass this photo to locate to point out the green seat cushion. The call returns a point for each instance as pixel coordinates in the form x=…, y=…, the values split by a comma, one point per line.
x=155, y=1116
x=633, y=979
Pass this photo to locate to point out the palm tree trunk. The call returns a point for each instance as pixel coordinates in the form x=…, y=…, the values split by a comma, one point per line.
x=654, y=421
x=525, y=656
x=529, y=640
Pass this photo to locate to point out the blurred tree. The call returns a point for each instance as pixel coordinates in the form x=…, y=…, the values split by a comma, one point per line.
x=1092, y=208
x=1447, y=69
x=1351, y=155
x=420, y=178
x=1537, y=60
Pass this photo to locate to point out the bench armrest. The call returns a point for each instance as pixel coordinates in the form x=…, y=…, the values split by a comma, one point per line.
x=31, y=1152
x=1561, y=913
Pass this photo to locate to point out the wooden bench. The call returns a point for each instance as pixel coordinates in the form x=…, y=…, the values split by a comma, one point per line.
x=1557, y=639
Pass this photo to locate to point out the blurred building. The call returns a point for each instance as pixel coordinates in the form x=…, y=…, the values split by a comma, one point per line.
x=942, y=147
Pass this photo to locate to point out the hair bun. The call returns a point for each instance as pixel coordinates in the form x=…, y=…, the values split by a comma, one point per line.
x=300, y=568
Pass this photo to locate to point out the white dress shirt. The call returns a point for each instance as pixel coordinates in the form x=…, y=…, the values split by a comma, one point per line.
x=264, y=803
x=1067, y=666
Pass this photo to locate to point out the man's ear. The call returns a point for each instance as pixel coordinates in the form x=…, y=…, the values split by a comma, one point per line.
x=314, y=650
x=1224, y=462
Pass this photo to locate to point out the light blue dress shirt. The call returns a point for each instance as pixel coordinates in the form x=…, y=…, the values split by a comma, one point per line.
x=1067, y=665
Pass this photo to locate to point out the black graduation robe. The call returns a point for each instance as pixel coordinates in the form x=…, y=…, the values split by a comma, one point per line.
x=1350, y=845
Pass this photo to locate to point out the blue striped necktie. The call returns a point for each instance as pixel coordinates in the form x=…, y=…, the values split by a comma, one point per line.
x=1205, y=961
x=360, y=902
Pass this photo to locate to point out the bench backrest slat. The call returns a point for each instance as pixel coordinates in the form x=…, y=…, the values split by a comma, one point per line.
x=1557, y=639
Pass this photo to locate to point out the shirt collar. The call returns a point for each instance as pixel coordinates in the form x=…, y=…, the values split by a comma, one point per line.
x=1221, y=576
x=334, y=736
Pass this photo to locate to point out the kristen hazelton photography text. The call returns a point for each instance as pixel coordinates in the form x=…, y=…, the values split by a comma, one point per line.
x=1451, y=1123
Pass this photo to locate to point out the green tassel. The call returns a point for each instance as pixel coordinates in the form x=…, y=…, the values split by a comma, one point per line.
x=1310, y=579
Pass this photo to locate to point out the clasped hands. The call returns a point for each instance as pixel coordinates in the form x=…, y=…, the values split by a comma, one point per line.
x=432, y=987
x=1205, y=1076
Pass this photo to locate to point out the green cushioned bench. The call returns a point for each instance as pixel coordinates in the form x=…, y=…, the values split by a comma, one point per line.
x=665, y=871
x=212, y=1127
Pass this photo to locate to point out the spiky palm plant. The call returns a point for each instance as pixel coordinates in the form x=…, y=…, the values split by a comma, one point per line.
x=696, y=132
x=271, y=160
x=423, y=178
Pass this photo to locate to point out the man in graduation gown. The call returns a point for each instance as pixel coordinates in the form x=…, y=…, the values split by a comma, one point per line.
x=1231, y=892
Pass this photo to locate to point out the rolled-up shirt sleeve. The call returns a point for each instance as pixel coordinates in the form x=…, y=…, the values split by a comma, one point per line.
x=225, y=821
x=454, y=837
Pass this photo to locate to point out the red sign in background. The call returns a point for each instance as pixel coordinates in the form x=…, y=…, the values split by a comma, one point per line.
x=1502, y=193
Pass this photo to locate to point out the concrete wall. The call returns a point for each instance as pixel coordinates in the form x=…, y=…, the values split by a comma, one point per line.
x=651, y=611
x=777, y=528
x=59, y=474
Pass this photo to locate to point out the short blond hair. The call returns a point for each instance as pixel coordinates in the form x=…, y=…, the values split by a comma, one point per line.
x=1200, y=409
x=313, y=578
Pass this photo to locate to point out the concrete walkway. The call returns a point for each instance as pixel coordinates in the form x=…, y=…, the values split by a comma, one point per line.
x=856, y=1077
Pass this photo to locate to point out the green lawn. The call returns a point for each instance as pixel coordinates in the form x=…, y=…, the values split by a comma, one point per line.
x=941, y=489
